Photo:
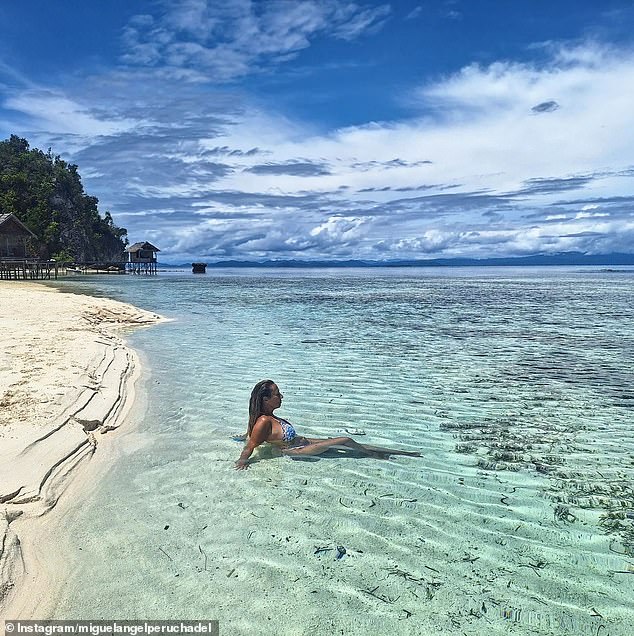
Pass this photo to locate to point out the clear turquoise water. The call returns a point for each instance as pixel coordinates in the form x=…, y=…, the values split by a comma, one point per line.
x=515, y=383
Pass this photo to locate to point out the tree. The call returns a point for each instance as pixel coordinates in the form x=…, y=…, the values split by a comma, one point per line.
x=46, y=194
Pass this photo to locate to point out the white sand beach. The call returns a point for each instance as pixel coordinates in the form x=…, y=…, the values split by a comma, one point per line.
x=66, y=378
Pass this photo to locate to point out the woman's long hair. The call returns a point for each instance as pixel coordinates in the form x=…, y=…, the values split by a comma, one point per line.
x=261, y=391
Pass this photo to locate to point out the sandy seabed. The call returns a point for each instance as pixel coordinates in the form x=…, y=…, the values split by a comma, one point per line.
x=66, y=378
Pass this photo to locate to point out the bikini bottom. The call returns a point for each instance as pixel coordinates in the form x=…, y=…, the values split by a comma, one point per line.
x=295, y=443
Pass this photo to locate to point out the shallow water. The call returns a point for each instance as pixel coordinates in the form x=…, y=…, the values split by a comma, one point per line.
x=515, y=384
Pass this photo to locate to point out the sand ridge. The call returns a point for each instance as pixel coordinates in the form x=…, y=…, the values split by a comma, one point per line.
x=66, y=377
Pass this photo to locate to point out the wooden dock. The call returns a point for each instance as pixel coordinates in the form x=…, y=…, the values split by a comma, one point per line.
x=28, y=269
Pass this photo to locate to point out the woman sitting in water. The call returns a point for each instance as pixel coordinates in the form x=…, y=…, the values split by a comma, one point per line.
x=266, y=427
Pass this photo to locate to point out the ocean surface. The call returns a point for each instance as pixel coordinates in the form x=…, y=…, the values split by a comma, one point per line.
x=515, y=383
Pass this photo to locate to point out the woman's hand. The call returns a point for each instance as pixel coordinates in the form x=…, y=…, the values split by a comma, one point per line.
x=241, y=464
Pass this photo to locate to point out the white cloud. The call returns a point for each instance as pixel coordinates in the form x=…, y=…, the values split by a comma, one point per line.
x=351, y=21
x=482, y=136
x=53, y=111
x=591, y=215
x=337, y=228
x=228, y=40
x=414, y=13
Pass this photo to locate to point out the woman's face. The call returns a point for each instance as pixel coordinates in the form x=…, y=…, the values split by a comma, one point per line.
x=275, y=400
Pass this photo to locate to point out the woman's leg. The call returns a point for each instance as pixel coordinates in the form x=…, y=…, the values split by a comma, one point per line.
x=392, y=451
x=318, y=446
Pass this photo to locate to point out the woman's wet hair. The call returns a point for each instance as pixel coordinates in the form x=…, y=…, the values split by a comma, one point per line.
x=261, y=391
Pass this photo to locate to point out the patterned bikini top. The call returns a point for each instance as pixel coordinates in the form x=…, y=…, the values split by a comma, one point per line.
x=288, y=432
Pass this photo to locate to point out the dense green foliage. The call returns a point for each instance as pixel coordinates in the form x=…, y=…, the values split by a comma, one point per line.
x=47, y=195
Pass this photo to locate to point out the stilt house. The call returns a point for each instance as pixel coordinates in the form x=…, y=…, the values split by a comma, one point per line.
x=142, y=258
x=14, y=237
x=17, y=261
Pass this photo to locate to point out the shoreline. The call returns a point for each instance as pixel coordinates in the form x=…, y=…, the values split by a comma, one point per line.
x=67, y=377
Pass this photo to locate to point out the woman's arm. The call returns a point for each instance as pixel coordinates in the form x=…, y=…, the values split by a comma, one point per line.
x=260, y=433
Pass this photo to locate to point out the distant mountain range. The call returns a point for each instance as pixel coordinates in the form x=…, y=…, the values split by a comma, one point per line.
x=564, y=258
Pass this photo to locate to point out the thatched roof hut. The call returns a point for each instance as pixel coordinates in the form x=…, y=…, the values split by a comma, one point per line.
x=142, y=252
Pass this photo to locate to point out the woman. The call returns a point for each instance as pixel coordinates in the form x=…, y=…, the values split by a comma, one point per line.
x=266, y=427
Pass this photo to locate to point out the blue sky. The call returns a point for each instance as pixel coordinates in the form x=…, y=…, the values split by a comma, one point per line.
x=317, y=129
